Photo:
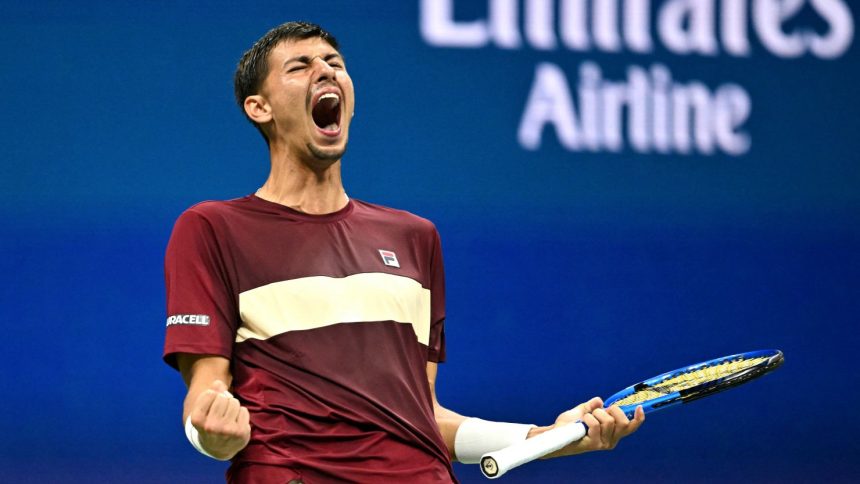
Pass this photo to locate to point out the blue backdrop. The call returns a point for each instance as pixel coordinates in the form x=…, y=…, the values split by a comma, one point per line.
x=622, y=188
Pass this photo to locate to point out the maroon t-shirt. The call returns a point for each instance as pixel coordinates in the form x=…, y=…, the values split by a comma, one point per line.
x=328, y=321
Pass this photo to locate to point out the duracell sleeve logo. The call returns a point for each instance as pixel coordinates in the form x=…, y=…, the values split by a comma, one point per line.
x=192, y=319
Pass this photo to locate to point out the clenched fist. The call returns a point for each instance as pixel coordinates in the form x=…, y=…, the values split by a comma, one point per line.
x=222, y=423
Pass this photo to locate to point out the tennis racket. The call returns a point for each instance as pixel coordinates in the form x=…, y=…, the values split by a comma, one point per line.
x=683, y=385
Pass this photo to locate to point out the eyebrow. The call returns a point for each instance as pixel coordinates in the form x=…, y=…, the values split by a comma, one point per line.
x=306, y=60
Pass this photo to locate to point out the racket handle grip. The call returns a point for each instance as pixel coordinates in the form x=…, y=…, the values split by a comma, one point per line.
x=495, y=464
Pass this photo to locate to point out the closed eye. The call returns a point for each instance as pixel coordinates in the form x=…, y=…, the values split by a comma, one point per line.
x=333, y=60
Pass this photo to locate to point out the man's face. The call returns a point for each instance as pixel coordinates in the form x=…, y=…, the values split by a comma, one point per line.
x=311, y=98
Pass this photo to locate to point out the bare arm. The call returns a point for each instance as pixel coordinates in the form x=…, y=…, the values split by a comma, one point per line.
x=198, y=372
x=447, y=420
x=605, y=426
x=223, y=424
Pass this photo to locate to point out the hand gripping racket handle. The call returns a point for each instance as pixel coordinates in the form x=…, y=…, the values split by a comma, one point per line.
x=495, y=464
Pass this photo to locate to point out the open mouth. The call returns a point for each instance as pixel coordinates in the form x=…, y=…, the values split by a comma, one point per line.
x=326, y=113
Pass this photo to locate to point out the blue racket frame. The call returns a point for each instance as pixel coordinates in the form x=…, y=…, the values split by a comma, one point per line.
x=774, y=359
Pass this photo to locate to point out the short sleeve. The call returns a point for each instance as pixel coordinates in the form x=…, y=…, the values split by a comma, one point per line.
x=437, y=302
x=202, y=317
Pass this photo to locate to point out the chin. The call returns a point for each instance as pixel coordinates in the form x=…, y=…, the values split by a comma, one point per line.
x=331, y=153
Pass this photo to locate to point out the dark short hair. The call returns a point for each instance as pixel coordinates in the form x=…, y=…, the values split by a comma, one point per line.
x=254, y=65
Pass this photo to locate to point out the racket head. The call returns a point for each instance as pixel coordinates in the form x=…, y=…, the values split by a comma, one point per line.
x=693, y=382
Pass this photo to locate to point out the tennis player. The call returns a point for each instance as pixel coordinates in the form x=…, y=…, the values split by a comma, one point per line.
x=307, y=325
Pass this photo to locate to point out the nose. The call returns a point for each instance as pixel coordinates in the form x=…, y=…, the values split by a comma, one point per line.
x=323, y=71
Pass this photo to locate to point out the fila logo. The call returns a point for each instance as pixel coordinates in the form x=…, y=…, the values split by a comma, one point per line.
x=192, y=319
x=389, y=258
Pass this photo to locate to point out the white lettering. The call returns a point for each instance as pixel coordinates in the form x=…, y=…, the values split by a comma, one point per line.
x=549, y=102
x=662, y=82
x=574, y=25
x=693, y=98
x=661, y=116
x=648, y=111
x=637, y=97
x=589, y=104
x=192, y=319
x=503, y=23
x=613, y=96
x=698, y=16
x=841, y=23
x=439, y=28
x=732, y=107
x=606, y=26
x=637, y=20
x=684, y=27
x=539, y=24
x=733, y=23
x=768, y=16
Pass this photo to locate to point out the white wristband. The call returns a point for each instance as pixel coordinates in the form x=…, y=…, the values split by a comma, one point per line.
x=476, y=437
x=194, y=438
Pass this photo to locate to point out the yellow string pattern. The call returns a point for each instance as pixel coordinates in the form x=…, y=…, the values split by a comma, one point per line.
x=688, y=380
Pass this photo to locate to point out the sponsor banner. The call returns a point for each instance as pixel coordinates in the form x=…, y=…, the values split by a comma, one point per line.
x=652, y=110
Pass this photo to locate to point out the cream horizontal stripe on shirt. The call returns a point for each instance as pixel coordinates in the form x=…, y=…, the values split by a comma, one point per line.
x=319, y=301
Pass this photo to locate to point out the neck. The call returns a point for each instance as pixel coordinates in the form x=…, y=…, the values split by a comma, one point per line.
x=313, y=188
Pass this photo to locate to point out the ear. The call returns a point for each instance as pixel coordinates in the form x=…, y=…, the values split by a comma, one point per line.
x=258, y=109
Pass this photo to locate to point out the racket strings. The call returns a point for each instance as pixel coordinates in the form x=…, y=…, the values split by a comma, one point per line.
x=690, y=379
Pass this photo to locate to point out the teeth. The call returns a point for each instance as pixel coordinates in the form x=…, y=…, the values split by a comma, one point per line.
x=330, y=95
